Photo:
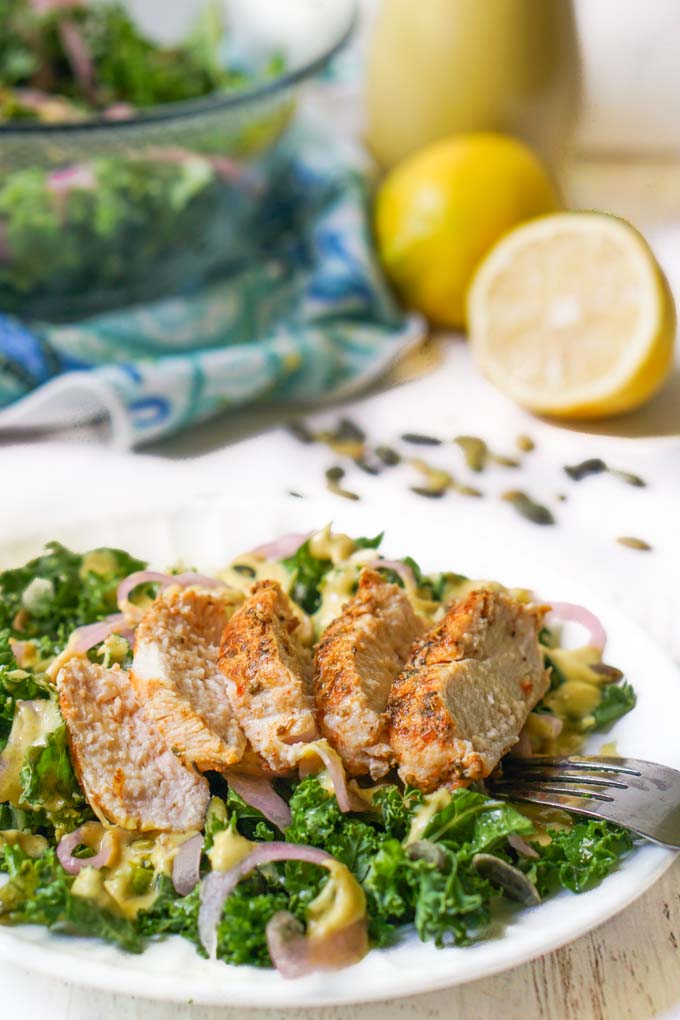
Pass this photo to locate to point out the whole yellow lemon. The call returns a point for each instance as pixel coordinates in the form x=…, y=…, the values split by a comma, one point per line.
x=439, y=212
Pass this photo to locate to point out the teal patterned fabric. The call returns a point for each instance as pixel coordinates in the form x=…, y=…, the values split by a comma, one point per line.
x=310, y=317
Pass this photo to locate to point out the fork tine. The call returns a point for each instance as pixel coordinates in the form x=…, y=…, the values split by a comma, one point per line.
x=555, y=775
x=626, y=766
x=534, y=795
x=548, y=787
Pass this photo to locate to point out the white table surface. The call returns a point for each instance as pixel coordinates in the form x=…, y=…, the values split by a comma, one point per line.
x=629, y=968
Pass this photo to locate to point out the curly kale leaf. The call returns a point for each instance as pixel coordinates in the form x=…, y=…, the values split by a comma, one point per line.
x=473, y=822
x=39, y=892
x=308, y=571
x=580, y=857
x=49, y=785
x=615, y=701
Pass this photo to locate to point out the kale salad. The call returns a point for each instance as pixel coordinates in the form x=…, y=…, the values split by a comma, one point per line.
x=110, y=193
x=289, y=853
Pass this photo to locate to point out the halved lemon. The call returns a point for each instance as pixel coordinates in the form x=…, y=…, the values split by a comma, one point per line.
x=571, y=315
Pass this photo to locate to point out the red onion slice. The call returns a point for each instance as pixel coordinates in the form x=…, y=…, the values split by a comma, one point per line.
x=82, y=836
x=402, y=569
x=217, y=886
x=186, y=867
x=84, y=638
x=294, y=954
x=336, y=771
x=284, y=545
x=164, y=581
x=579, y=614
x=259, y=793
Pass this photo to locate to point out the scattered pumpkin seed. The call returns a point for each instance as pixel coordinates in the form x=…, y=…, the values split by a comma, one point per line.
x=296, y=495
x=525, y=444
x=468, y=490
x=511, y=880
x=419, y=439
x=425, y=850
x=345, y=493
x=634, y=543
x=525, y=506
x=348, y=429
x=387, y=456
x=629, y=478
x=510, y=462
x=300, y=431
x=429, y=493
x=611, y=673
x=335, y=474
x=436, y=478
x=562, y=497
x=366, y=466
x=344, y=447
x=593, y=466
x=475, y=451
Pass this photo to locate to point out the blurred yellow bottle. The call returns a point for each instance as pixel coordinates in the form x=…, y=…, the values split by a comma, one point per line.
x=440, y=67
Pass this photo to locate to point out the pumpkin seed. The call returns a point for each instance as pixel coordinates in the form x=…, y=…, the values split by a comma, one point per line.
x=525, y=444
x=593, y=466
x=525, y=506
x=296, y=495
x=562, y=497
x=510, y=462
x=335, y=473
x=468, y=490
x=629, y=478
x=366, y=466
x=611, y=673
x=419, y=439
x=475, y=451
x=511, y=880
x=344, y=447
x=425, y=850
x=429, y=493
x=301, y=432
x=337, y=490
x=348, y=429
x=243, y=568
x=387, y=456
x=634, y=543
x=436, y=478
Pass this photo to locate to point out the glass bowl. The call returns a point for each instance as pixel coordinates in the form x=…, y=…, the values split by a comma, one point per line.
x=99, y=214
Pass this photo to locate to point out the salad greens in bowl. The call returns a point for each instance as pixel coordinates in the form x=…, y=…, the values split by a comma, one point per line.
x=219, y=757
x=132, y=168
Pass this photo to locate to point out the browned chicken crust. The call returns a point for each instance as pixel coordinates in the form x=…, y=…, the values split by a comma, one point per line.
x=129, y=775
x=176, y=675
x=268, y=675
x=356, y=663
x=466, y=691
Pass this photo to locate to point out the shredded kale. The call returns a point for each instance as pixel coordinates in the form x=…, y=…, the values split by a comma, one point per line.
x=49, y=786
x=39, y=892
x=308, y=571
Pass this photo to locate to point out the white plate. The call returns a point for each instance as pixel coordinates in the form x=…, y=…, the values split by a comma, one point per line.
x=207, y=538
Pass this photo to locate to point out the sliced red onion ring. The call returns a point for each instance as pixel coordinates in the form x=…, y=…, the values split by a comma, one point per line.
x=579, y=614
x=84, y=638
x=402, y=569
x=523, y=848
x=294, y=954
x=553, y=723
x=336, y=771
x=81, y=836
x=284, y=545
x=164, y=581
x=186, y=867
x=78, y=55
x=259, y=793
x=217, y=886
x=522, y=749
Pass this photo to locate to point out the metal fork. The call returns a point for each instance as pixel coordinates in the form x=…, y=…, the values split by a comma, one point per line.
x=638, y=795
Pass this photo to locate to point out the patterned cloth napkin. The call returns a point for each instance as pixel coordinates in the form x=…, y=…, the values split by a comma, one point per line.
x=310, y=318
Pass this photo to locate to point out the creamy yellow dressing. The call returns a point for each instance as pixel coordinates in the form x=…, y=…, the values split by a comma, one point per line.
x=33, y=722
x=99, y=561
x=423, y=815
x=33, y=845
x=228, y=849
x=340, y=903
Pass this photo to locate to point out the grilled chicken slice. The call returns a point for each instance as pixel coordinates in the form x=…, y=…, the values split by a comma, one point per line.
x=129, y=775
x=356, y=663
x=466, y=691
x=176, y=675
x=268, y=674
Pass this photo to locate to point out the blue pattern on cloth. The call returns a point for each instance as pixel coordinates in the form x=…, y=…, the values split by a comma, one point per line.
x=309, y=317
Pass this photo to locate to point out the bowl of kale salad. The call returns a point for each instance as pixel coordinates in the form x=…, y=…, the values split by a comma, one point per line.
x=133, y=167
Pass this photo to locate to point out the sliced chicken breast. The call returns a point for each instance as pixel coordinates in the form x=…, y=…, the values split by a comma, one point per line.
x=268, y=674
x=128, y=774
x=355, y=665
x=466, y=691
x=176, y=675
